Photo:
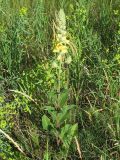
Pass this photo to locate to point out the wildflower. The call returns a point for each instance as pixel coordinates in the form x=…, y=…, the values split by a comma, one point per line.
x=23, y=11
x=62, y=43
x=62, y=39
x=60, y=48
x=61, y=20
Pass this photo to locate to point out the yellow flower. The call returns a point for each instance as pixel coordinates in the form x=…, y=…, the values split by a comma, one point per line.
x=117, y=58
x=60, y=48
x=23, y=11
x=116, y=12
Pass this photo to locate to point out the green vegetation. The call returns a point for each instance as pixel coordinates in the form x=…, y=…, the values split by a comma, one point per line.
x=59, y=79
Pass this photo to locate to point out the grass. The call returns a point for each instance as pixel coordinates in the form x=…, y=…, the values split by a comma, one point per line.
x=68, y=112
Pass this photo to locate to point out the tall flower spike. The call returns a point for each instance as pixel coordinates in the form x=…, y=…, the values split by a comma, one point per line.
x=61, y=27
x=61, y=20
x=62, y=43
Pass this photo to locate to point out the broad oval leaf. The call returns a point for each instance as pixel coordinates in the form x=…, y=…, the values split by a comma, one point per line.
x=45, y=122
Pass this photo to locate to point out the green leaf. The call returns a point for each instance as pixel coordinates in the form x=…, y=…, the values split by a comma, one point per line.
x=45, y=122
x=74, y=128
x=65, y=113
x=68, y=130
x=48, y=108
x=52, y=96
x=65, y=131
x=53, y=115
x=35, y=138
x=62, y=117
x=67, y=107
x=63, y=98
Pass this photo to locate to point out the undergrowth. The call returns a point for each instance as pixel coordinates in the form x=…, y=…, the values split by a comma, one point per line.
x=60, y=79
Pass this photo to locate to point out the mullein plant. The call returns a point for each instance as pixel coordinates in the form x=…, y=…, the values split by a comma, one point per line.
x=61, y=43
x=57, y=119
x=61, y=47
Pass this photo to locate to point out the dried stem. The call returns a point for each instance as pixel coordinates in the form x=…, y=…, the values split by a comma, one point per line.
x=78, y=148
x=12, y=141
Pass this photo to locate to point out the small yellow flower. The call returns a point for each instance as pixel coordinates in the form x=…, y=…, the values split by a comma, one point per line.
x=60, y=48
x=117, y=58
x=116, y=12
x=23, y=11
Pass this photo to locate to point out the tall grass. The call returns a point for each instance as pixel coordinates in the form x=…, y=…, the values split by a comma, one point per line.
x=27, y=79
